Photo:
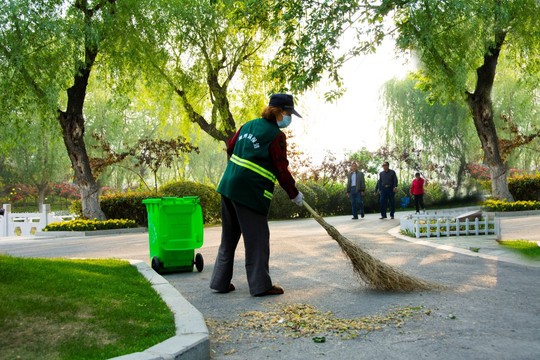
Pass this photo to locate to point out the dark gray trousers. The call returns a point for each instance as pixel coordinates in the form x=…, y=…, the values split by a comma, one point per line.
x=240, y=220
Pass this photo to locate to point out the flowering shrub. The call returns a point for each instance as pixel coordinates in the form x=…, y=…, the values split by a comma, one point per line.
x=89, y=225
x=18, y=192
x=478, y=171
x=13, y=196
x=497, y=205
x=66, y=190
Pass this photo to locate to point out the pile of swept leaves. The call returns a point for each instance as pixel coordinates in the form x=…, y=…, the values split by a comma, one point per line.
x=303, y=320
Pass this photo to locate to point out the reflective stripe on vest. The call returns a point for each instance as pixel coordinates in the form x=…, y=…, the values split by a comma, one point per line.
x=268, y=194
x=253, y=167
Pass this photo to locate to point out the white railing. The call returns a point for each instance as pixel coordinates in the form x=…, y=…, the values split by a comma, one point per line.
x=433, y=225
x=24, y=224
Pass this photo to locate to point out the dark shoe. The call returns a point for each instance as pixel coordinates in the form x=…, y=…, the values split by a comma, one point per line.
x=391, y=217
x=274, y=290
x=382, y=217
x=362, y=216
x=231, y=288
x=354, y=218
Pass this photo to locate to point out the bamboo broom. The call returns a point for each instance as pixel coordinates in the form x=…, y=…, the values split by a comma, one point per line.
x=370, y=269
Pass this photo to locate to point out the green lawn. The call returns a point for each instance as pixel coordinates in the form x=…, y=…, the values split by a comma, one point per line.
x=528, y=249
x=77, y=309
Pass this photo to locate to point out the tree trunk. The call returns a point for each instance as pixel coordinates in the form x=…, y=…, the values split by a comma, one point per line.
x=72, y=121
x=482, y=112
x=42, y=189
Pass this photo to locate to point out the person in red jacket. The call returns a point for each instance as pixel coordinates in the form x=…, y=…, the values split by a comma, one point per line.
x=417, y=189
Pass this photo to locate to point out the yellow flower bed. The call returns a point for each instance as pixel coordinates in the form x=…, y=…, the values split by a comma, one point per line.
x=89, y=225
x=503, y=206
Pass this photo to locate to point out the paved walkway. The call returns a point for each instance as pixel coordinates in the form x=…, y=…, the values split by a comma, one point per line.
x=490, y=312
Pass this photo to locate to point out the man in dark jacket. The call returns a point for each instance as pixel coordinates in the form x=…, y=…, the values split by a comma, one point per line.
x=356, y=186
x=387, y=186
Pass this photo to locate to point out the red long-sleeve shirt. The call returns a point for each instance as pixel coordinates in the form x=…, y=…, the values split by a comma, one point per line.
x=417, y=187
x=278, y=155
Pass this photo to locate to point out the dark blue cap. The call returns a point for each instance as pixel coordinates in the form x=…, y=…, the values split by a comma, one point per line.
x=284, y=101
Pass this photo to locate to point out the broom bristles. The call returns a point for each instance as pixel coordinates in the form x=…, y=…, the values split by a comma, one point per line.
x=371, y=270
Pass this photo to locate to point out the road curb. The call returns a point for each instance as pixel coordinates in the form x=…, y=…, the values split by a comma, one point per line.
x=191, y=341
x=503, y=214
x=60, y=234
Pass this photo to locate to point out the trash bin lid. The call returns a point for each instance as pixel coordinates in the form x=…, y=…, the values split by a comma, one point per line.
x=173, y=200
x=151, y=201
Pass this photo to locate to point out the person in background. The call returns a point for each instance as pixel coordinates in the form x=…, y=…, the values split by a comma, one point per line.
x=387, y=187
x=417, y=189
x=257, y=158
x=356, y=186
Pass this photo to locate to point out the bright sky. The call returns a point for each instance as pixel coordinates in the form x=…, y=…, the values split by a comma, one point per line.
x=356, y=119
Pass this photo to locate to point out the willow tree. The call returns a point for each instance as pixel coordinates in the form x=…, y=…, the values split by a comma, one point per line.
x=49, y=49
x=209, y=54
x=442, y=133
x=458, y=42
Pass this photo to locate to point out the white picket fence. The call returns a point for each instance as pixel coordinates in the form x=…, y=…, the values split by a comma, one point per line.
x=24, y=224
x=447, y=225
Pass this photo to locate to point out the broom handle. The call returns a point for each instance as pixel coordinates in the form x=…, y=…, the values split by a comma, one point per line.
x=316, y=216
x=313, y=212
x=329, y=228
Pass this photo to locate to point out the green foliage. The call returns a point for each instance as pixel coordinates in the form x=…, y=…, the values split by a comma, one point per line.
x=209, y=199
x=503, y=206
x=433, y=134
x=434, y=193
x=338, y=203
x=283, y=208
x=210, y=56
x=130, y=206
x=126, y=206
x=321, y=196
x=327, y=200
x=90, y=225
x=371, y=201
x=121, y=206
x=525, y=187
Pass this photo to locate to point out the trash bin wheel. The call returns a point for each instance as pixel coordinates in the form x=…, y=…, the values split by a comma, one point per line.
x=199, y=262
x=156, y=265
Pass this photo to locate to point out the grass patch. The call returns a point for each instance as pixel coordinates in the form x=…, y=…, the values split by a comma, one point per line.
x=528, y=249
x=77, y=309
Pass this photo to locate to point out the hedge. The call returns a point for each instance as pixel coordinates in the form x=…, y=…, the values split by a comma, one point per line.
x=121, y=206
x=209, y=199
x=525, y=187
x=130, y=206
x=328, y=200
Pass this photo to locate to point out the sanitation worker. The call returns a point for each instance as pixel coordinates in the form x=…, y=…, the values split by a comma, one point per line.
x=257, y=158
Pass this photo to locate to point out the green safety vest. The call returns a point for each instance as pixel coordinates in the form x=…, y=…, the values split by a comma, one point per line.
x=249, y=177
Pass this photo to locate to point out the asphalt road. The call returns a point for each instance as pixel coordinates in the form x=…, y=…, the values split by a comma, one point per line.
x=491, y=311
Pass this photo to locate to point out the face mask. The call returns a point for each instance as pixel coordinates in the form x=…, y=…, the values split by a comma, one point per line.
x=285, y=122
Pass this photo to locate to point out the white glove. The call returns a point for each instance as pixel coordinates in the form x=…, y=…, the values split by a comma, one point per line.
x=298, y=199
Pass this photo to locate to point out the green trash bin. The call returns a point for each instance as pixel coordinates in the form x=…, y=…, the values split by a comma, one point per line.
x=175, y=230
